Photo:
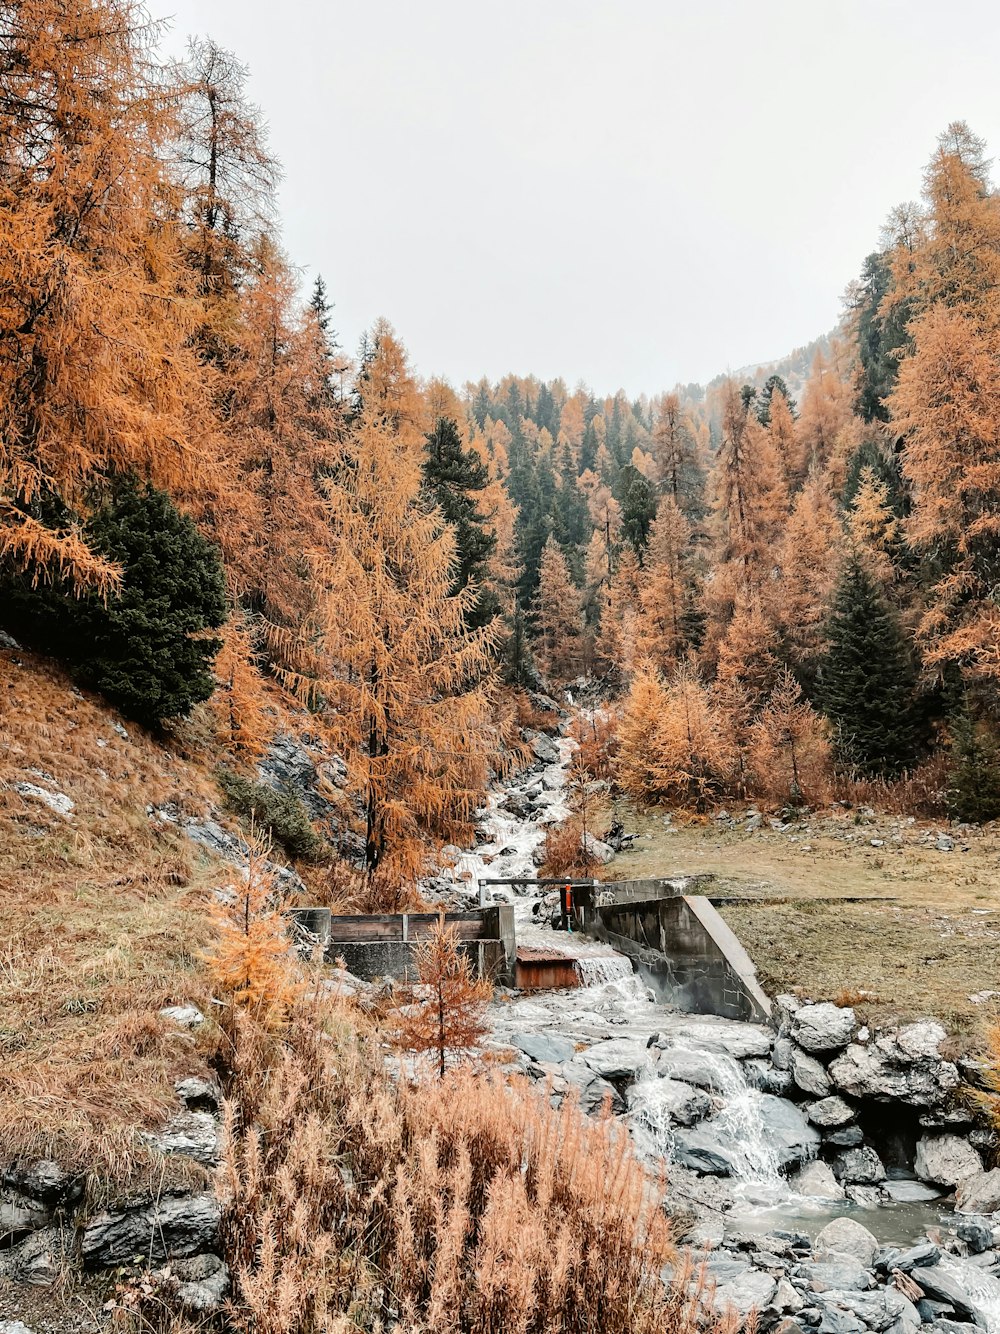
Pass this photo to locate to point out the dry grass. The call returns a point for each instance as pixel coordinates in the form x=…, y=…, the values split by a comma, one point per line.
x=935, y=943
x=356, y=1202
x=105, y=923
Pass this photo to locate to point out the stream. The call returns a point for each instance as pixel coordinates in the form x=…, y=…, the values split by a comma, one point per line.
x=612, y=1002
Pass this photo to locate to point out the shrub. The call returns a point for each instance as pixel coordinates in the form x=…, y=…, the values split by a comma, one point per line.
x=356, y=1202
x=144, y=649
x=280, y=815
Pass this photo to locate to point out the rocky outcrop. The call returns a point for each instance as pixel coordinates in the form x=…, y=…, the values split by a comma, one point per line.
x=176, y=1226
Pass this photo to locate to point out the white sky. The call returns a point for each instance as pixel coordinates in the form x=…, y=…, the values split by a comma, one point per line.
x=629, y=193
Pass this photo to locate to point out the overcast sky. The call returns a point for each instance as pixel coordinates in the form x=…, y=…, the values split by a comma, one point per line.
x=627, y=192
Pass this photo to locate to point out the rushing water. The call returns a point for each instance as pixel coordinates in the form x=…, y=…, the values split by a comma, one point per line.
x=613, y=1002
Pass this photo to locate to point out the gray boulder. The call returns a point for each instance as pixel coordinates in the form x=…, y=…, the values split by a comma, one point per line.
x=859, y=1167
x=707, y=1149
x=847, y=1237
x=979, y=1195
x=824, y=1027
x=44, y=1180
x=199, y=1095
x=946, y=1159
x=203, y=1283
x=911, y=1192
x=867, y=1197
x=13, y=1326
x=977, y=1233
x=830, y=1113
x=786, y=1128
x=763, y=1076
x=543, y=747
x=877, y=1310
x=658, y=1102
x=839, y=1322
x=752, y=1292
x=809, y=1074
x=974, y=1293
x=544, y=1047
x=817, y=1181
x=593, y=1092
x=781, y=1053
x=889, y=1072
x=927, y=1253
x=599, y=852
x=197, y=1134
x=21, y=1213
x=176, y=1226
x=836, y=1272
x=41, y=1259
x=705, y=1070
x=845, y=1137
x=618, y=1058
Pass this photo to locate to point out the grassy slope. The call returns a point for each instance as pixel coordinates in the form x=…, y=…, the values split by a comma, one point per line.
x=104, y=924
x=923, y=953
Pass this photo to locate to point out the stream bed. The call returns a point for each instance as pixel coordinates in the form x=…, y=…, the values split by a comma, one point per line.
x=746, y=1152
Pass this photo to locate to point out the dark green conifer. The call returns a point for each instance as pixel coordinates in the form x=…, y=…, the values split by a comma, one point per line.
x=973, y=791
x=144, y=649
x=637, y=497
x=454, y=478
x=867, y=679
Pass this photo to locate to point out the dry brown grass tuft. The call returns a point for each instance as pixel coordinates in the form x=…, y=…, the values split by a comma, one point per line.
x=449, y=1206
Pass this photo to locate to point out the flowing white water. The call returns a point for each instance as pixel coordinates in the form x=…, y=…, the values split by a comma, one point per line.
x=596, y=970
x=613, y=1002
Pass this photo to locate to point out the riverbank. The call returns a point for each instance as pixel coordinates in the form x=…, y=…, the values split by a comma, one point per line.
x=923, y=937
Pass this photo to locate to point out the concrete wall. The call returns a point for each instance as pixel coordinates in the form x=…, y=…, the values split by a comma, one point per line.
x=385, y=945
x=683, y=948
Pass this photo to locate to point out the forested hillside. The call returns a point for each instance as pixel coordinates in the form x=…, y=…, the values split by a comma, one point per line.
x=788, y=592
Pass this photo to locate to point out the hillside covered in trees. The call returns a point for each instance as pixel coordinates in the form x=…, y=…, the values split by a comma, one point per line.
x=784, y=593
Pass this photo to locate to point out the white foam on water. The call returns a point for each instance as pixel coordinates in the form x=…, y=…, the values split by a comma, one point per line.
x=597, y=969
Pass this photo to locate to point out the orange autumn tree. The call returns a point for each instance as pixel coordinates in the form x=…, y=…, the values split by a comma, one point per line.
x=665, y=589
x=616, y=641
x=791, y=752
x=947, y=404
x=558, y=616
x=253, y=962
x=450, y=1015
x=407, y=689
x=808, y=558
x=96, y=368
x=751, y=507
x=675, y=451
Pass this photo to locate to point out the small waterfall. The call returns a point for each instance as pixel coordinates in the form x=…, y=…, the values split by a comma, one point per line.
x=738, y=1124
x=596, y=970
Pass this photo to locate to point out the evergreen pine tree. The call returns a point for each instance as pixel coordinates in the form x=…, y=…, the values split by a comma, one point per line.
x=638, y=501
x=973, y=791
x=867, y=678
x=143, y=648
x=453, y=477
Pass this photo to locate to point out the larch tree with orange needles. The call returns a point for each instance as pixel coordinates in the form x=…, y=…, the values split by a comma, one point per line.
x=751, y=507
x=808, y=559
x=450, y=1017
x=558, y=616
x=616, y=642
x=253, y=962
x=675, y=451
x=96, y=368
x=665, y=588
x=407, y=691
x=791, y=750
